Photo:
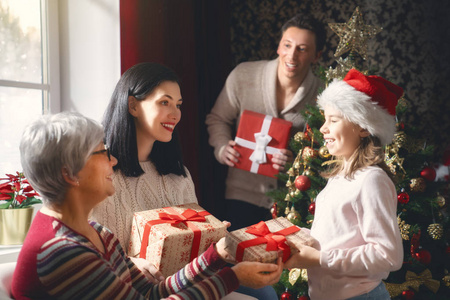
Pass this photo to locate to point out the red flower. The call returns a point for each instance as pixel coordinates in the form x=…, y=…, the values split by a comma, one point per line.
x=20, y=198
x=17, y=192
x=5, y=197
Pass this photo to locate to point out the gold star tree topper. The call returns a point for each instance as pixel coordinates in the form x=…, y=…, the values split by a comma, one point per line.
x=354, y=35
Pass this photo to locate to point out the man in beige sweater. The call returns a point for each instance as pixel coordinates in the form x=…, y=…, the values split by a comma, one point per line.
x=281, y=88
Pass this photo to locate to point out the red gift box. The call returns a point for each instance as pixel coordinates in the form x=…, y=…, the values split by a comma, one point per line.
x=258, y=138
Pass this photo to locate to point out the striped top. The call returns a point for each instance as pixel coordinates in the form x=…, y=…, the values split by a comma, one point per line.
x=58, y=263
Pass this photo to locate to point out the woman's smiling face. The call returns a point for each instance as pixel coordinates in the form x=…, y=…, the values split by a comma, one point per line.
x=157, y=115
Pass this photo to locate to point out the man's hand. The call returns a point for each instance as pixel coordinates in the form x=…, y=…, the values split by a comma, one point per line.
x=280, y=159
x=148, y=269
x=229, y=156
x=257, y=275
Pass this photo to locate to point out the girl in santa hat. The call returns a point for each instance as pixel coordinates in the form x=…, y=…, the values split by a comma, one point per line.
x=355, y=221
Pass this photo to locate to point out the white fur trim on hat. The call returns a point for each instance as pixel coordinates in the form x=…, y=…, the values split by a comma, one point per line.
x=358, y=108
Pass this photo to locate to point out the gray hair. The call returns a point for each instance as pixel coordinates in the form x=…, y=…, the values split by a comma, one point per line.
x=54, y=143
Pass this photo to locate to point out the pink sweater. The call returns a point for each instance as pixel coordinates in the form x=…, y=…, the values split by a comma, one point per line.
x=356, y=225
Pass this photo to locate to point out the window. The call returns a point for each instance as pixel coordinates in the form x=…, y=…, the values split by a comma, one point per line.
x=28, y=78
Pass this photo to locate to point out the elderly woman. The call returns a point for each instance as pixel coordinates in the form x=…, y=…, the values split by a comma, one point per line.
x=66, y=257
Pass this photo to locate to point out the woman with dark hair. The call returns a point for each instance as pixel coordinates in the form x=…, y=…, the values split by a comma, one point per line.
x=140, y=130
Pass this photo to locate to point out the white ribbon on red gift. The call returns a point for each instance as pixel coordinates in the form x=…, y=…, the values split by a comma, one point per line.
x=260, y=148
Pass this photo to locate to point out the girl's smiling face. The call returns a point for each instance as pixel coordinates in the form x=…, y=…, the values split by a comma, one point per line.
x=342, y=137
x=157, y=115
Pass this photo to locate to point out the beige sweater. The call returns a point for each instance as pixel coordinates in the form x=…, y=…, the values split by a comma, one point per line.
x=252, y=86
x=133, y=194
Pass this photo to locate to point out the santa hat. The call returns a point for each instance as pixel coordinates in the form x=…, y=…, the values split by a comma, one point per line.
x=368, y=101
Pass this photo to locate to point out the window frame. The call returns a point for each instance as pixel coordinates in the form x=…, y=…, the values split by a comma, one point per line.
x=50, y=85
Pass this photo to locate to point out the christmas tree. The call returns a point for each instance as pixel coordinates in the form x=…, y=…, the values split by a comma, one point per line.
x=422, y=204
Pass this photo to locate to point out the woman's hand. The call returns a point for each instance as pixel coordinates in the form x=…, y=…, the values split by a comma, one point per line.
x=148, y=269
x=280, y=159
x=306, y=257
x=228, y=155
x=257, y=275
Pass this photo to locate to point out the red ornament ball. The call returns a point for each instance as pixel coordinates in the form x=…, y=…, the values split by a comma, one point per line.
x=303, y=297
x=286, y=296
x=312, y=208
x=274, y=211
x=424, y=256
x=302, y=183
x=428, y=173
x=403, y=198
x=408, y=295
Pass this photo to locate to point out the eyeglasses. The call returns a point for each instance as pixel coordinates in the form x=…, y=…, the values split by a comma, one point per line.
x=108, y=153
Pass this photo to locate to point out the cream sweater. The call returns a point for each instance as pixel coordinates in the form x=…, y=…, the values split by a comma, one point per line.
x=133, y=194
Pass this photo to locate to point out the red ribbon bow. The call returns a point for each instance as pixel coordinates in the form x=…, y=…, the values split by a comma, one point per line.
x=274, y=240
x=188, y=216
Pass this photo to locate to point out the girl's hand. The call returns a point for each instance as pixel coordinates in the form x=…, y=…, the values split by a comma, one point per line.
x=230, y=156
x=257, y=275
x=280, y=159
x=306, y=257
x=226, y=223
x=220, y=249
x=148, y=269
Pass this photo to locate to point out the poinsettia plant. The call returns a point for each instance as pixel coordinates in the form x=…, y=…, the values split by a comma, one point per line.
x=17, y=192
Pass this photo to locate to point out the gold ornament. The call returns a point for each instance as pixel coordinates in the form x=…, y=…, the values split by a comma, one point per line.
x=294, y=275
x=412, y=280
x=395, y=289
x=436, y=231
x=291, y=172
x=293, y=214
x=287, y=198
x=404, y=228
x=395, y=160
x=354, y=35
x=304, y=275
x=344, y=65
x=399, y=139
x=440, y=200
x=286, y=211
x=418, y=184
x=446, y=280
x=309, y=172
x=300, y=136
x=309, y=154
x=324, y=153
x=403, y=103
